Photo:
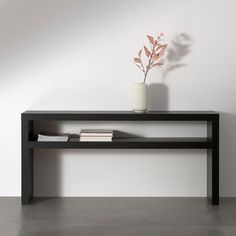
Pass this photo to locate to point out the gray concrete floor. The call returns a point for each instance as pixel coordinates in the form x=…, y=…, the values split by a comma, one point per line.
x=117, y=217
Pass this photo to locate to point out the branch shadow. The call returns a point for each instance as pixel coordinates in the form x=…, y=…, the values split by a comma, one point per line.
x=178, y=49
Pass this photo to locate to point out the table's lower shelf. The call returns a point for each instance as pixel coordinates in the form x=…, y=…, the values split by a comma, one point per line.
x=130, y=143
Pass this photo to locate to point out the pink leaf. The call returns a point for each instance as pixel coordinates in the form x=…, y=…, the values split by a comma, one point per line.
x=159, y=47
x=138, y=60
x=156, y=57
x=160, y=35
x=148, y=54
x=163, y=49
x=157, y=65
x=151, y=39
x=140, y=53
x=139, y=67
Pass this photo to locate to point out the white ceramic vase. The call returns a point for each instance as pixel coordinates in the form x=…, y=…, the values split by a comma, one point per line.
x=140, y=97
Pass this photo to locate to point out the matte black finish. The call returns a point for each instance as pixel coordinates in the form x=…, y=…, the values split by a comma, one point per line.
x=213, y=161
x=131, y=143
x=121, y=115
x=27, y=162
x=211, y=143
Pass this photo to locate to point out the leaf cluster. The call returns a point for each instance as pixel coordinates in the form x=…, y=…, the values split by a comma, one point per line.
x=153, y=54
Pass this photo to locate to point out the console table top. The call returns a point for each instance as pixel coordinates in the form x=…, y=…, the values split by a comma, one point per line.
x=121, y=115
x=95, y=112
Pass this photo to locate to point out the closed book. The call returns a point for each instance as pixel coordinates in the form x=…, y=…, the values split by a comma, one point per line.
x=95, y=139
x=52, y=138
x=96, y=132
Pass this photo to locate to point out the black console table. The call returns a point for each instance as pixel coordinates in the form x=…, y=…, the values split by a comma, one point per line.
x=211, y=142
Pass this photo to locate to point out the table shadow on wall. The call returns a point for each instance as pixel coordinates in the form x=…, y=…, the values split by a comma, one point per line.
x=47, y=165
x=227, y=154
x=47, y=173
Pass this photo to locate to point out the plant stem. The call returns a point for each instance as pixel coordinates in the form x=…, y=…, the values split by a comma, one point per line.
x=149, y=64
x=145, y=76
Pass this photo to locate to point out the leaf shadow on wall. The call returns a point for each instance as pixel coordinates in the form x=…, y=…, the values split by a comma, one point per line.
x=178, y=49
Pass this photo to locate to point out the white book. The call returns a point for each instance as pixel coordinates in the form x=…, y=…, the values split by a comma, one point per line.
x=95, y=139
x=96, y=132
x=52, y=138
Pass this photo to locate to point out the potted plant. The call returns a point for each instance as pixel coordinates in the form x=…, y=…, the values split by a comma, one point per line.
x=152, y=58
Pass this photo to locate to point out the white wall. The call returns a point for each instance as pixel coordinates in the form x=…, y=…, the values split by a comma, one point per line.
x=78, y=55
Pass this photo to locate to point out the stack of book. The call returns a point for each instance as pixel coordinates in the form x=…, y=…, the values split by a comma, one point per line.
x=52, y=138
x=96, y=135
